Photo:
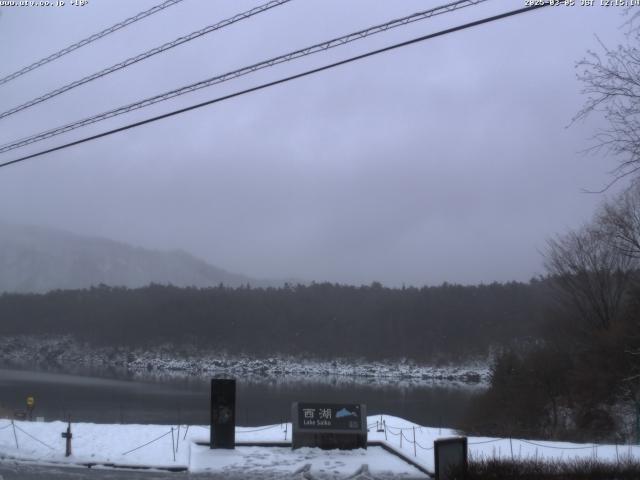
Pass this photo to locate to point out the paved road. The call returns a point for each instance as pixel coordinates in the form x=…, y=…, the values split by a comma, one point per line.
x=12, y=471
x=32, y=472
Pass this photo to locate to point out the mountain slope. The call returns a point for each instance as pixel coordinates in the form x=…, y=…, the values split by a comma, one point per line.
x=38, y=259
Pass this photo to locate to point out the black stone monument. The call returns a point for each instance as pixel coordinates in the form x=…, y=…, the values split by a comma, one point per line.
x=223, y=413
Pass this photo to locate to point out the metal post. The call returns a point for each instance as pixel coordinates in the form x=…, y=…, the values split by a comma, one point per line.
x=67, y=436
x=415, y=454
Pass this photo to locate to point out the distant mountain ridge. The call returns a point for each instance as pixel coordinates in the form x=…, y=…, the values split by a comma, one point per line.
x=38, y=259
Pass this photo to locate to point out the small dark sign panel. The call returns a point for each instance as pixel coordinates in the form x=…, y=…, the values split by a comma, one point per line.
x=324, y=416
x=450, y=456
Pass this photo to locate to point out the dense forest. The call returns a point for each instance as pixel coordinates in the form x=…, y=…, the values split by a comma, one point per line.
x=582, y=379
x=444, y=323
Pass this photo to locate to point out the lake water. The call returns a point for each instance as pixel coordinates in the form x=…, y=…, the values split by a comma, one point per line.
x=109, y=398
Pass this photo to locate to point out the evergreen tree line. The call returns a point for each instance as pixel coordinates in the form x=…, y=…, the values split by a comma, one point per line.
x=443, y=323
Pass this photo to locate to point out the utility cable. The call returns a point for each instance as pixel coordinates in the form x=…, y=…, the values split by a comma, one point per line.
x=320, y=47
x=282, y=80
x=144, y=55
x=88, y=40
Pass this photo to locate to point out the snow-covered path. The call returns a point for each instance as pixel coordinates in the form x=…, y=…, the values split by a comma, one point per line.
x=163, y=446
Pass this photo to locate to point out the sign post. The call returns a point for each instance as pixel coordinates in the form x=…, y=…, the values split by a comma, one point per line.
x=31, y=403
x=329, y=425
x=68, y=436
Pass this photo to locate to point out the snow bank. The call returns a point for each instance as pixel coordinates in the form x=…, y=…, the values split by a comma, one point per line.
x=158, y=446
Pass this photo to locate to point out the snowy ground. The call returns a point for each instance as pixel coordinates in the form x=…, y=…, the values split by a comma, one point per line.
x=167, y=360
x=156, y=445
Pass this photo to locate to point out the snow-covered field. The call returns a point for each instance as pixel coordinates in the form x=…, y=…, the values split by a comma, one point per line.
x=160, y=446
x=166, y=360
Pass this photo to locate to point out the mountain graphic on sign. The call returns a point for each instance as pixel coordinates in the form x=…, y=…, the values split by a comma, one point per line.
x=345, y=413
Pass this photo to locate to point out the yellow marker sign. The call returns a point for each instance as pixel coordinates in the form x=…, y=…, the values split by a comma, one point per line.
x=30, y=401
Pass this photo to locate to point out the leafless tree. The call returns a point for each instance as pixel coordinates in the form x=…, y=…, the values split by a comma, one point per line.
x=592, y=275
x=621, y=219
x=611, y=81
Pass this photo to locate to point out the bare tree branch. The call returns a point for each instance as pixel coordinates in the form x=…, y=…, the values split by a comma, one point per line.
x=611, y=82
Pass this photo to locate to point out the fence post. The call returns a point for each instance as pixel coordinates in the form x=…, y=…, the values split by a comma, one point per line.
x=401, y=435
x=511, y=446
x=178, y=438
x=385, y=429
x=68, y=436
x=173, y=445
x=14, y=434
x=415, y=454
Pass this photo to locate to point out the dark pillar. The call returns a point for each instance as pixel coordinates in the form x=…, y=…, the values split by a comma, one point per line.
x=223, y=413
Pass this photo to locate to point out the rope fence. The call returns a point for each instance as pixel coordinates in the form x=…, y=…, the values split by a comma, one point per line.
x=258, y=429
x=148, y=443
x=33, y=438
x=6, y=426
x=559, y=448
x=423, y=448
x=486, y=441
x=399, y=432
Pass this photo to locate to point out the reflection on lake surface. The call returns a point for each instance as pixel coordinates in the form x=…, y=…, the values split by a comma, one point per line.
x=107, y=398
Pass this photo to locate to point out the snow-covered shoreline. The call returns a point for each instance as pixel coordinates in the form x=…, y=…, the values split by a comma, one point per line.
x=167, y=360
x=179, y=447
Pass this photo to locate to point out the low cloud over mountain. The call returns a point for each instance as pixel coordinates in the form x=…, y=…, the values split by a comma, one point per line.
x=38, y=259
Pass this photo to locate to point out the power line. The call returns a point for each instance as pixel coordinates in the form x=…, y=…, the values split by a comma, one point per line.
x=282, y=80
x=144, y=55
x=88, y=40
x=320, y=47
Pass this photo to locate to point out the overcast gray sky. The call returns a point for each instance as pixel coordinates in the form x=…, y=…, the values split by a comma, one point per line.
x=448, y=160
